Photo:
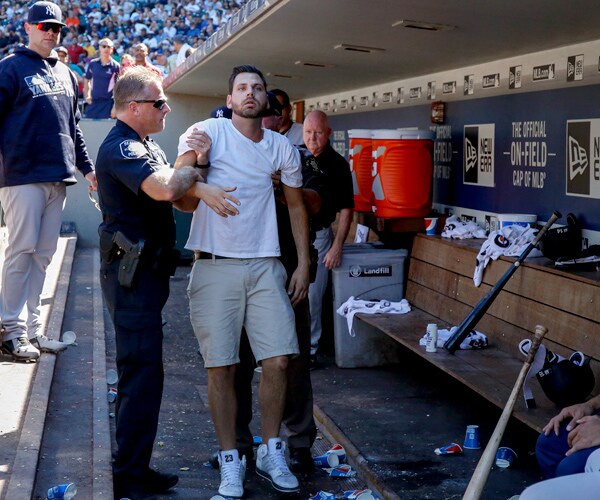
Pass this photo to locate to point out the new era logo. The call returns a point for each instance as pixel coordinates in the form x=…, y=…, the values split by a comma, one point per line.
x=471, y=155
x=578, y=159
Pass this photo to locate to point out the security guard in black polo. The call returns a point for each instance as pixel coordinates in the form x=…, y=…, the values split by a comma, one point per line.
x=137, y=235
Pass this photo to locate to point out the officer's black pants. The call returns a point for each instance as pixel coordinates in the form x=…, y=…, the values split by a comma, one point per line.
x=136, y=315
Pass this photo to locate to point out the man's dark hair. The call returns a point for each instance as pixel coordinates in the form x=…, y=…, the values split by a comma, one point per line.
x=283, y=95
x=246, y=68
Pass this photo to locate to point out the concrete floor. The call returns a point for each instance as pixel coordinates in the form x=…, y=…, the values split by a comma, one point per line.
x=395, y=416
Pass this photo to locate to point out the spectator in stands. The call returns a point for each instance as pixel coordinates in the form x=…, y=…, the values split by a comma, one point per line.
x=76, y=50
x=73, y=20
x=293, y=131
x=338, y=196
x=40, y=116
x=140, y=54
x=180, y=48
x=162, y=63
x=63, y=56
x=100, y=79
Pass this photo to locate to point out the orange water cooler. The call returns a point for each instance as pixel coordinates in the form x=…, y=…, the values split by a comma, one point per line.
x=402, y=172
x=361, y=165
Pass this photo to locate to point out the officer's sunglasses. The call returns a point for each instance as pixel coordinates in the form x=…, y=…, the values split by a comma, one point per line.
x=158, y=103
x=56, y=28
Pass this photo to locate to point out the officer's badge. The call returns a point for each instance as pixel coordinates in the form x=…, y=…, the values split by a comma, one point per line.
x=132, y=150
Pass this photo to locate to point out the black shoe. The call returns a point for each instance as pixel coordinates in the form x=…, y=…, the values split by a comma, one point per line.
x=159, y=482
x=314, y=362
x=301, y=460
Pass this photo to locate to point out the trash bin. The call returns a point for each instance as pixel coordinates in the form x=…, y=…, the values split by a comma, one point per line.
x=367, y=272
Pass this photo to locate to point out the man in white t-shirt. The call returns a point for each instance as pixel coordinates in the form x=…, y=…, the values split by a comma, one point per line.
x=237, y=279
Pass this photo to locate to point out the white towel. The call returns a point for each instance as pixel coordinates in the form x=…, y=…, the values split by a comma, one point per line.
x=474, y=340
x=353, y=306
x=510, y=241
x=456, y=229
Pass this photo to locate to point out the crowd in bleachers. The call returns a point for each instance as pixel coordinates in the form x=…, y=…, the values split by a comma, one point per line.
x=155, y=23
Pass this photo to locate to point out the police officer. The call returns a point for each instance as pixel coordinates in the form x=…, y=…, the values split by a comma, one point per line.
x=136, y=188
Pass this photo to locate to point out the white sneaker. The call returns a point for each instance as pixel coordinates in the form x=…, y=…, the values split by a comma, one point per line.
x=44, y=344
x=271, y=464
x=233, y=473
x=20, y=349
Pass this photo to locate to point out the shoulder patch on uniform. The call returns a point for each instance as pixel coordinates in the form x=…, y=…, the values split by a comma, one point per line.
x=132, y=149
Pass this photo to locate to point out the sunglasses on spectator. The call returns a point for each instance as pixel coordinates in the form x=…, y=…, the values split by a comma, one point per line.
x=158, y=103
x=105, y=46
x=56, y=28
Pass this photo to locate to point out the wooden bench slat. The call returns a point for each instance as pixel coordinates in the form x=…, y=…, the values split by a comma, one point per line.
x=579, y=334
x=539, y=282
x=489, y=372
x=440, y=289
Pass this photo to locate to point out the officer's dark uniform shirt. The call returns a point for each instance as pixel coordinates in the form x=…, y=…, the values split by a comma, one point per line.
x=124, y=162
x=312, y=178
x=337, y=192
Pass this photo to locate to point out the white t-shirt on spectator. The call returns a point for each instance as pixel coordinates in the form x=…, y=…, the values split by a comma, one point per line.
x=238, y=161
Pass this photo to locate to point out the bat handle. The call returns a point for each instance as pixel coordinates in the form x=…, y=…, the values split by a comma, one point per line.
x=540, y=332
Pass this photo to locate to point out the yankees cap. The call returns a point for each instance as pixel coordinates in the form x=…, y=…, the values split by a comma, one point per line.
x=221, y=112
x=45, y=12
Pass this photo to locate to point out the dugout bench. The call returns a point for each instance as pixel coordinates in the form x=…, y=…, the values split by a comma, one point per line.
x=440, y=289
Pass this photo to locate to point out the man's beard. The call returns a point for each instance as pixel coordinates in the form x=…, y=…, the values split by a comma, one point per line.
x=256, y=112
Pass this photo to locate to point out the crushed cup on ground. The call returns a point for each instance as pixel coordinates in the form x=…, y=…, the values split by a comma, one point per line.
x=449, y=449
x=338, y=449
x=341, y=471
x=359, y=495
x=62, y=492
x=322, y=495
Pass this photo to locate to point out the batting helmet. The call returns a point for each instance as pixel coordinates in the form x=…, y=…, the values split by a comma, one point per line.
x=569, y=381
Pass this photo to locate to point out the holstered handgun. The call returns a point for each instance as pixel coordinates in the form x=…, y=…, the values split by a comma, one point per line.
x=130, y=261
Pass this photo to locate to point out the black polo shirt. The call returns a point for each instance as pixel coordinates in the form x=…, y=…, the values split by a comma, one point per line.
x=124, y=162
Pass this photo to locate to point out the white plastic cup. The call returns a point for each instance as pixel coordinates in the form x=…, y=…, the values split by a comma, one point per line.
x=431, y=225
x=69, y=337
x=111, y=376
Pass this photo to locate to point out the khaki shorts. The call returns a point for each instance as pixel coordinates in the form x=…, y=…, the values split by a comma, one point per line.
x=228, y=294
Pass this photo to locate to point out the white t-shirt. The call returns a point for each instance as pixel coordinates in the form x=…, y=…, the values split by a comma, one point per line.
x=238, y=161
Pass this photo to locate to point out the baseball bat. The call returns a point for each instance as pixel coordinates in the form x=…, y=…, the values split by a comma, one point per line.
x=484, y=304
x=482, y=471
